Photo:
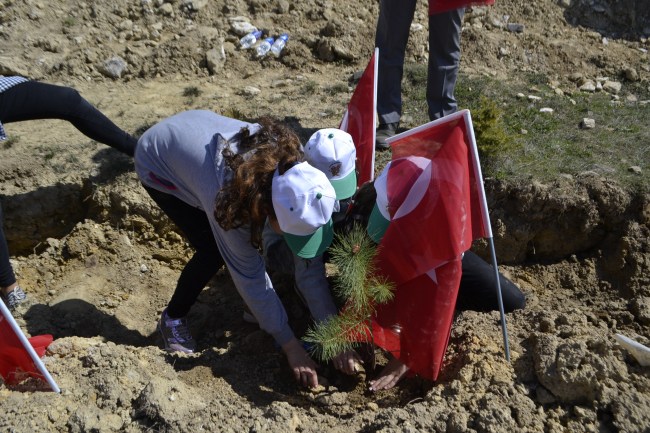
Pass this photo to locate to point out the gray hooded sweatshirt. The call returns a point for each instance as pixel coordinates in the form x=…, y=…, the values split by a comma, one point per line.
x=182, y=156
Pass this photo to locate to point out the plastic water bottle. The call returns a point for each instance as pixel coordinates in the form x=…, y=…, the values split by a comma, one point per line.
x=250, y=39
x=264, y=47
x=279, y=44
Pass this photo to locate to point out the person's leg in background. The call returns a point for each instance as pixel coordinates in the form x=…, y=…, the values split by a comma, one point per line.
x=393, y=28
x=444, y=62
x=196, y=274
x=11, y=293
x=478, y=288
x=34, y=100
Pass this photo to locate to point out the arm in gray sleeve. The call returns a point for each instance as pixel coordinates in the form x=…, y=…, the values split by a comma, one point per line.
x=246, y=268
x=310, y=276
x=311, y=281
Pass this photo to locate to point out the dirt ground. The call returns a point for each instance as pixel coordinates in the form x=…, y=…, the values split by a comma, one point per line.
x=99, y=261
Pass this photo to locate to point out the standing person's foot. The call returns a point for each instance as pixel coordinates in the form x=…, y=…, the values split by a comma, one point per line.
x=13, y=298
x=383, y=133
x=176, y=334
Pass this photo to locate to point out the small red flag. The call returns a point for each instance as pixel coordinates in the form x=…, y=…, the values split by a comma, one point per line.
x=438, y=6
x=16, y=361
x=360, y=120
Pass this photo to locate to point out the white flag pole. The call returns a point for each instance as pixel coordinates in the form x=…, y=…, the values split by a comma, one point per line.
x=28, y=347
x=375, y=80
x=488, y=226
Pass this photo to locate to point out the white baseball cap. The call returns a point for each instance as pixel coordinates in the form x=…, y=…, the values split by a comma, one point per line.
x=332, y=151
x=400, y=188
x=303, y=200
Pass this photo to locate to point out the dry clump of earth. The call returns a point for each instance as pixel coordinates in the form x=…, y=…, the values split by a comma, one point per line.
x=99, y=261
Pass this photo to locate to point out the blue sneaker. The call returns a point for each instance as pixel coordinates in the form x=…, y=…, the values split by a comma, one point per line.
x=176, y=334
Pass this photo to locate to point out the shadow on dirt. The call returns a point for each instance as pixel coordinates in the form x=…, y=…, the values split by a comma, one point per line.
x=76, y=317
x=625, y=19
x=52, y=211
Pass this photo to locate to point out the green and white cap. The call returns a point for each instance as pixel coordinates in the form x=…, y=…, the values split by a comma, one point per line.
x=332, y=151
x=303, y=200
x=400, y=188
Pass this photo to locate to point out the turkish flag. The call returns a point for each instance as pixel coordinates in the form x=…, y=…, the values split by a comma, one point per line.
x=360, y=120
x=451, y=141
x=415, y=326
x=439, y=213
x=438, y=6
x=16, y=362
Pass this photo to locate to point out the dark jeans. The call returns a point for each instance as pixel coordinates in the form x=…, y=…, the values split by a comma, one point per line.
x=33, y=100
x=205, y=262
x=391, y=37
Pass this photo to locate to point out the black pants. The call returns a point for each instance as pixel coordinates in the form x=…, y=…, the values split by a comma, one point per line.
x=206, y=260
x=33, y=100
x=477, y=291
x=478, y=288
x=7, y=276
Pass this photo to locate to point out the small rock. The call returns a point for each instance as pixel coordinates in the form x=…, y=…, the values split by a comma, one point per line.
x=194, y=5
x=635, y=169
x=546, y=110
x=241, y=26
x=515, y=27
x=587, y=123
x=250, y=91
x=641, y=305
x=631, y=74
x=576, y=77
x=588, y=86
x=612, y=87
x=215, y=59
x=114, y=67
x=166, y=9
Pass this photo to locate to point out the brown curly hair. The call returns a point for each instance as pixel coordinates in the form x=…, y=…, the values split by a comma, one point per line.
x=246, y=199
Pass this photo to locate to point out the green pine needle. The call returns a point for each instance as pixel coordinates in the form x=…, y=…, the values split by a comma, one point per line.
x=353, y=254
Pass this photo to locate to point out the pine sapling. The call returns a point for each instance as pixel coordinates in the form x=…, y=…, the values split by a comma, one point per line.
x=357, y=283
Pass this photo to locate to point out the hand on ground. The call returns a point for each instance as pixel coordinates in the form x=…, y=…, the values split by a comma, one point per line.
x=347, y=362
x=303, y=367
x=389, y=376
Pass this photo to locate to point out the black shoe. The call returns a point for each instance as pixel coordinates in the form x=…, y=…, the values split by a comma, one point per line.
x=384, y=132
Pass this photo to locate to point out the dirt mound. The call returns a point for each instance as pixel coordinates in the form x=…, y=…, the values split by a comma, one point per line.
x=99, y=261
